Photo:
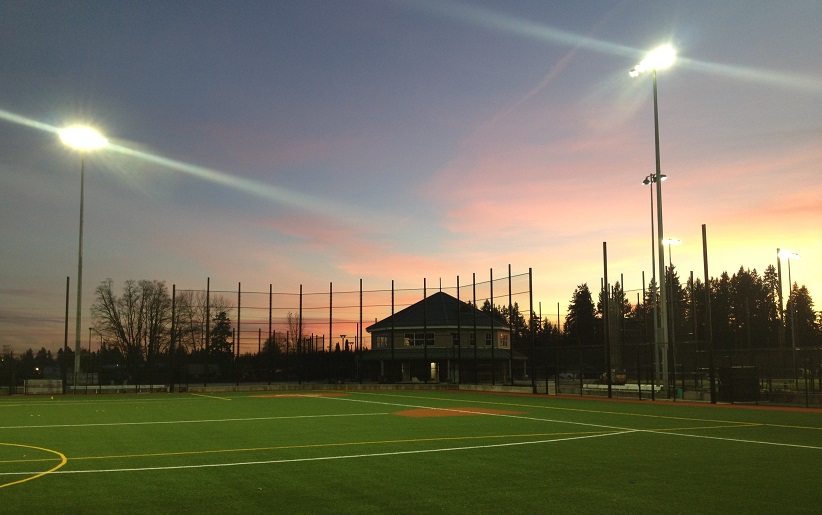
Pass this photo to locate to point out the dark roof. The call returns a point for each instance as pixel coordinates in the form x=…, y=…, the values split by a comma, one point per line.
x=440, y=353
x=438, y=310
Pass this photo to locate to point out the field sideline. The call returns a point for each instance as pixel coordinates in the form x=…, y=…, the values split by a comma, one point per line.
x=402, y=452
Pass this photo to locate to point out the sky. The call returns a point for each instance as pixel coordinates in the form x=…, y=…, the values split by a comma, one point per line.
x=311, y=142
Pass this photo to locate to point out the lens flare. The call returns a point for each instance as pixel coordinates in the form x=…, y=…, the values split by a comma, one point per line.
x=85, y=138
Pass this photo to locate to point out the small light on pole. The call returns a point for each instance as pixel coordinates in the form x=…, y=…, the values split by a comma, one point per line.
x=84, y=139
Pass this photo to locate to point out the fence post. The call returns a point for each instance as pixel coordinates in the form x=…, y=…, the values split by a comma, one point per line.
x=459, y=333
x=171, y=343
x=491, y=314
x=65, y=342
x=476, y=344
x=533, y=332
x=393, y=365
x=207, y=331
x=359, y=337
x=607, y=322
x=426, y=366
x=510, y=329
x=708, y=327
x=239, y=337
x=300, y=341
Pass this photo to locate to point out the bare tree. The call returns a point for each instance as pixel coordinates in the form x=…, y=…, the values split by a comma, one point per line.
x=191, y=316
x=275, y=343
x=293, y=323
x=188, y=323
x=136, y=323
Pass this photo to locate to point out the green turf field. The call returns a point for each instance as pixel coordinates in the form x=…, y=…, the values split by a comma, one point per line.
x=402, y=452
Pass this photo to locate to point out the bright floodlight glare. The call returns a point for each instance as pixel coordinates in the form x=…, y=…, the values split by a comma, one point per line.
x=659, y=59
x=671, y=241
x=787, y=254
x=83, y=138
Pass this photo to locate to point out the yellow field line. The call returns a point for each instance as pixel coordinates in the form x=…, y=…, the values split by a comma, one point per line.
x=316, y=446
x=63, y=461
x=373, y=442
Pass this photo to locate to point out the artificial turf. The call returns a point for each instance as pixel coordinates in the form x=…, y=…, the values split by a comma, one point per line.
x=360, y=452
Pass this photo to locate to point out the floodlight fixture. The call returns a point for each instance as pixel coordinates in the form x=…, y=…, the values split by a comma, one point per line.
x=659, y=59
x=83, y=138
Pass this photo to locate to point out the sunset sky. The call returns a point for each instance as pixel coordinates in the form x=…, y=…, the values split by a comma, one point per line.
x=309, y=142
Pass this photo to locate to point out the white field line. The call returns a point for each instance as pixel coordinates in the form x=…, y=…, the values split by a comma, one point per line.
x=737, y=440
x=211, y=396
x=200, y=421
x=106, y=400
x=603, y=426
x=470, y=412
x=320, y=458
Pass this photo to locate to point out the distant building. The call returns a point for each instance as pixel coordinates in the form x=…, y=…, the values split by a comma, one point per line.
x=442, y=339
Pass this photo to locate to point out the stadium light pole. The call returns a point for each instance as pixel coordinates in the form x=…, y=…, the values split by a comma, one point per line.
x=649, y=181
x=84, y=139
x=789, y=256
x=659, y=59
x=779, y=292
x=670, y=242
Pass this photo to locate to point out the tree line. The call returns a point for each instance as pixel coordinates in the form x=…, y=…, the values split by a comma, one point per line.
x=744, y=308
x=136, y=328
x=747, y=325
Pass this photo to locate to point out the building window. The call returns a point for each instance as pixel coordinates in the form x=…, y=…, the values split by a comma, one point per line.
x=418, y=339
x=382, y=341
x=487, y=339
x=455, y=339
x=473, y=340
x=503, y=340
